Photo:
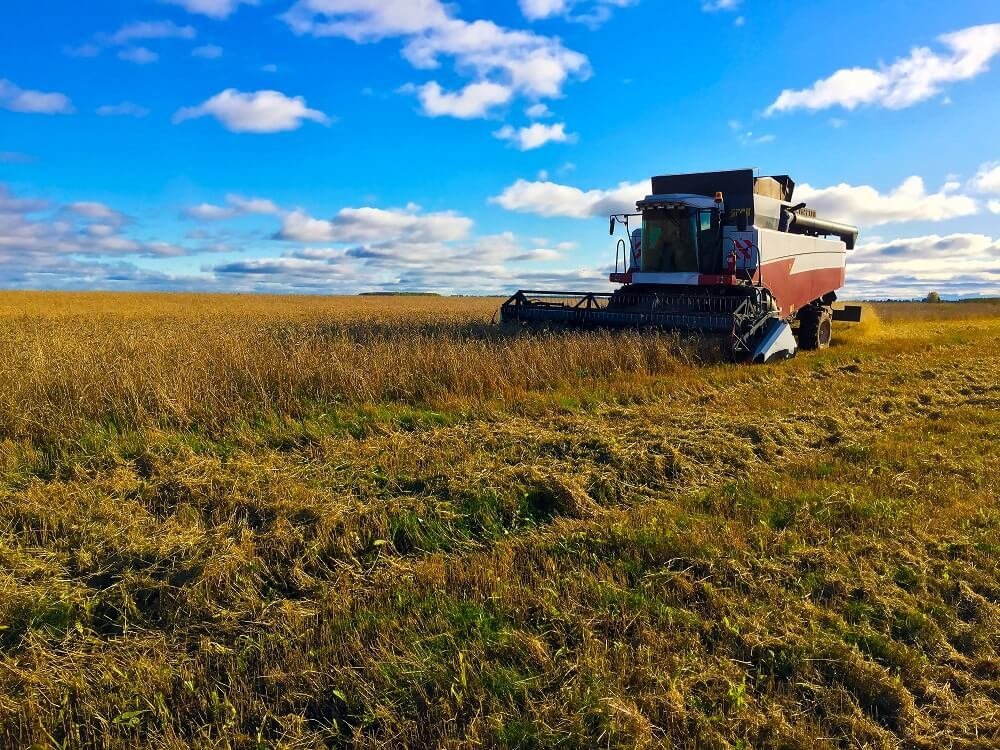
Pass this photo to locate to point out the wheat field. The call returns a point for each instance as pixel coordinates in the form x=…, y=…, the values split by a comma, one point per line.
x=254, y=522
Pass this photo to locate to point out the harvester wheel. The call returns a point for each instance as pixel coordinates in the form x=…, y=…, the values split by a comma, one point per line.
x=815, y=327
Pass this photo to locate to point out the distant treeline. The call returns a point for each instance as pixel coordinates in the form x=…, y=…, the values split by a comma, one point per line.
x=398, y=294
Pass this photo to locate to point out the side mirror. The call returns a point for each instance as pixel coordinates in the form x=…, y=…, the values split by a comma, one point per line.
x=611, y=228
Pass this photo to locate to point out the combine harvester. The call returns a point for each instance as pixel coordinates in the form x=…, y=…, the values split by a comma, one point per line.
x=721, y=253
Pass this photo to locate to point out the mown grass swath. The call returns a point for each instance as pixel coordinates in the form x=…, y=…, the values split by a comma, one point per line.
x=255, y=522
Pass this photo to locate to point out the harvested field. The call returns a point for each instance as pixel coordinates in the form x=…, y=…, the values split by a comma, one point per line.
x=383, y=522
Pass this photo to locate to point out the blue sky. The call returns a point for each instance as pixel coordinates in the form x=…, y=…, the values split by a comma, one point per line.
x=336, y=146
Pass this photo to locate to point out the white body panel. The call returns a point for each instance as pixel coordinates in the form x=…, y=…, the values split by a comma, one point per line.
x=756, y=247
x=810, y=253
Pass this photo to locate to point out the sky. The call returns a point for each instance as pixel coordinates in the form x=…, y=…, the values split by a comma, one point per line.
x=343, y=146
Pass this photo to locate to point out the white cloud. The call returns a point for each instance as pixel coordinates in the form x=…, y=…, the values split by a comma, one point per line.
x=551, y=199
x=374, y=225
x=987, y=179
x=597, y=12
x=748, y=137
x=257, y=112
x=212, y=8
x=16, y=99
x=994, y=206
x=210, y=212
x=475, y=100
x=538, y=111
x=138, y=55
x=907, y=81
x=127, y=36
x=123, y=109
x=866, y=206
x=35, y=234
x=207, y=52
x=858, y=204
x=252, y=205
x=535, y=135
x=526, y=62
x=534, y=10
x=538, y=255
x=500, y=62
x=12, y=205
x=956, y=264
x=713, y=6
x=236, y=205
x=365, y=20
x=398, y=262
x=148, y=30
x=95, y=210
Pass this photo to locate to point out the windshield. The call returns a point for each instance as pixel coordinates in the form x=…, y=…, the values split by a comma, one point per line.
x=669, y=241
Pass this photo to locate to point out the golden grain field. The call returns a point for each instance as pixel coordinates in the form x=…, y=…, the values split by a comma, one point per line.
x=249, y=522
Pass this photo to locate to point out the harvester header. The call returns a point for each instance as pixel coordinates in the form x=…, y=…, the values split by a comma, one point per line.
x=716, y=252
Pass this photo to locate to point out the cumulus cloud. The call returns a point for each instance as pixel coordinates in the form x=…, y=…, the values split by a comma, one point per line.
x=16, y=99
x=863, y=205
x=138, y=55
x=212, y=8
x=96, y=210
x=256, y=112
x=236, y=205
x=123, y=109
x=867, y=207
x=501, y=62
x=501, y=261
x=209, y=212
x=146, y=30
x=372, y=225
x=365, y=20
x=955, y=264
x=534, y=10
x=128, y=38
x=921, y=75
x=535, y=135
x=132, y=32
x=591, y=13
x=90, y=245
x=987, y=179
x=252, y=205
x=713, y=6
x=538, y=111
x=748, y=137
x=551, y=199
x=39, y=232
x=473, y=101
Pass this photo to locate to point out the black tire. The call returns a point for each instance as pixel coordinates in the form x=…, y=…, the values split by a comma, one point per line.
x=815, y=327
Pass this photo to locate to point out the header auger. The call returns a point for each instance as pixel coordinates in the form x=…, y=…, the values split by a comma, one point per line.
x=721, y=253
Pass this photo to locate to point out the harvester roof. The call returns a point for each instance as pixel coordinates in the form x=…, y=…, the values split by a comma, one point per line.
x=738, y=186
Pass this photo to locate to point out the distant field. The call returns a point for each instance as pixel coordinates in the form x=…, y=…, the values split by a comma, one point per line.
x=385, y=522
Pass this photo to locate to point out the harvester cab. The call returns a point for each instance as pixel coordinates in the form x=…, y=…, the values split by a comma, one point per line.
x=723, y=253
